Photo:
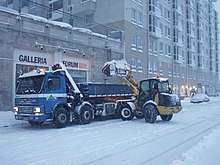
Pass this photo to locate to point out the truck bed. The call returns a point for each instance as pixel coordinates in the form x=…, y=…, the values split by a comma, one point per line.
x=98, y=92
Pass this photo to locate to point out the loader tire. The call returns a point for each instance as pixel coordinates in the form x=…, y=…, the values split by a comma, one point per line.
x=166, y=117
x=150, y=113
x=60, y=118
x=85, y=115
x=126, y=112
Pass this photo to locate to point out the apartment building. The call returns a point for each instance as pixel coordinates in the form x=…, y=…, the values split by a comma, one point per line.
x=178, y=39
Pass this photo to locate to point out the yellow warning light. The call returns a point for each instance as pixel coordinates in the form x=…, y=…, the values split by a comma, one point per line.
x=157, y=75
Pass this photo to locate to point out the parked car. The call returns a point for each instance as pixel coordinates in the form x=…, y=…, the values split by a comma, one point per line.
x=199, y=98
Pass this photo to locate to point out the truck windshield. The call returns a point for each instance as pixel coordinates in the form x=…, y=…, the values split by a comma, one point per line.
x=164, y=86
x=30, y=85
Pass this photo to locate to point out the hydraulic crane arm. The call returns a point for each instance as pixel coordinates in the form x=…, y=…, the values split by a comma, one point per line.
x=122, y=70
x=60, y=66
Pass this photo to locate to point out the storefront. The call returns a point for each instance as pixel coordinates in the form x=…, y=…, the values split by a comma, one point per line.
x=26, y=61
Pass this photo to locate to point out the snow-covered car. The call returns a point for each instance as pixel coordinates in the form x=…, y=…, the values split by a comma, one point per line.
x=199, y=98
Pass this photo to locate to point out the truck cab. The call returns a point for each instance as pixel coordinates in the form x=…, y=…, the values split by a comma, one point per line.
x=50, y=96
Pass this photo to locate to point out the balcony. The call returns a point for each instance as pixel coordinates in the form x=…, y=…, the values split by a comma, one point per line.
x=155, y=11
x=87, y=7
x=155, y=32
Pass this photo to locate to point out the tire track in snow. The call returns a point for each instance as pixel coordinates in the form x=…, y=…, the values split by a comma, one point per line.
x=129, y=144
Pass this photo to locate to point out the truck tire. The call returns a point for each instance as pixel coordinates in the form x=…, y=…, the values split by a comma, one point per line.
x=150, y=113
x=166, y=117
x=139, y=115
x=85, y=115
x=126, y=112
x=60, y=118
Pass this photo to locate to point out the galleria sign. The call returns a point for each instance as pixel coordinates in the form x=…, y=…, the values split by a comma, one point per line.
x=32, y=59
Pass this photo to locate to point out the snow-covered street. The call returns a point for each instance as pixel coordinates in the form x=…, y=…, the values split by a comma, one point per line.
x=191, y=137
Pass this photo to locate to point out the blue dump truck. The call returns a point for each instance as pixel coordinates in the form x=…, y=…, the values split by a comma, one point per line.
x=53, y=96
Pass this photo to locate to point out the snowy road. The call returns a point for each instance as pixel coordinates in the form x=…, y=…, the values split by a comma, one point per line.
x=115, y=141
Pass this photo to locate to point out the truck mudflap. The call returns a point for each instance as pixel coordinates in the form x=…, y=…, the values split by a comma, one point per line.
x=26, y=117
x=169, y=110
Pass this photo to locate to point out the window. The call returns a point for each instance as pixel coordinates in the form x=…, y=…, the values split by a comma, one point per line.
x=140, y=18
x=167, y=14
x=139, y=66
x=151, y=47
x=140, y=2
x=168, y=50
x=161, y=48
x=133, y=15
x=149, y=68
x=89, y=20
x=161, y=68
x=167, y=32
x=155, y=68
x=139, y=43
x=133, y=42
x=133, y=64
x=161, y=28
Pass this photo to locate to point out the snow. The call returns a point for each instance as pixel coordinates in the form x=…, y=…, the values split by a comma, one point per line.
x=191, y=137
x=34, y=17
x=61, y=24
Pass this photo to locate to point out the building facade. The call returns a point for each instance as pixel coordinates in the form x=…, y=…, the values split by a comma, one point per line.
x=29, y=42
x=178, y=39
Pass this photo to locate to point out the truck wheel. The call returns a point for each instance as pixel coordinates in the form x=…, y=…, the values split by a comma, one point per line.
x=60, y=118
x=150, y=113
x=139, y=115
x=166, y=117
x=85, y=115
x=126, y=113
x=34, y=123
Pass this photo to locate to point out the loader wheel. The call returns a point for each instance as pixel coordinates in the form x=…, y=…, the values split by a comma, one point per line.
x=60, y=118
x=139, y=115
x=150, y=113
x=126, y=113
x=166, y=117
x=85, y=115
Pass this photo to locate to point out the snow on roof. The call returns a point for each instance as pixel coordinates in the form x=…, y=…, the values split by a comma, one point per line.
x=34, y=17
x=83, y=30
x=99, y=35
x=55, y=23
x=61, y=24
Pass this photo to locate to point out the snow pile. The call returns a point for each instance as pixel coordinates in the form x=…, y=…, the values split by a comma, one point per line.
x=202, y=151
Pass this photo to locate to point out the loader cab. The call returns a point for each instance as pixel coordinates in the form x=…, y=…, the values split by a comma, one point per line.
x=150, y=87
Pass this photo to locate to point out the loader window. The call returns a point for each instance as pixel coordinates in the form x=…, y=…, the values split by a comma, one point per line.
x=164, y=87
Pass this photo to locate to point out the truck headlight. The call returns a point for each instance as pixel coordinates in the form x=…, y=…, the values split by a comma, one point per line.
x=15, y=109
x=37, y=110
